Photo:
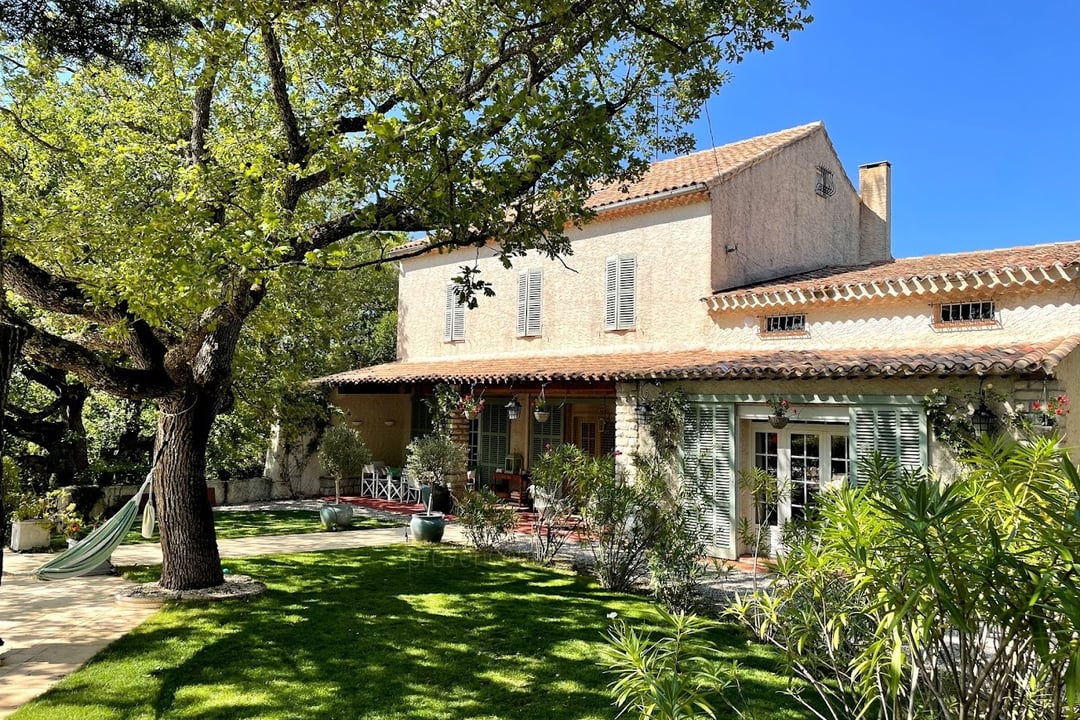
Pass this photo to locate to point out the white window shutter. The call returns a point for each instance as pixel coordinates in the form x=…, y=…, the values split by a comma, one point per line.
x=523, y=303
x=454, y=316
x=448, y=317
x=611, y=285
x=536, y=295
x=627, y=310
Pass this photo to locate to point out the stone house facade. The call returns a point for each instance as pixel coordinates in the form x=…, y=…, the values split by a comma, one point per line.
x=751, y=272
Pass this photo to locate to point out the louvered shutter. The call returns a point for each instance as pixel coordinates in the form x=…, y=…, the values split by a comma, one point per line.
x=627, y=311
x=611, y=294
x=549, y=432
x=708, y=453
x=620, y=292
x=454, y=316
x=899, y=432
x=493, y=439
x=448, y=317
x=530, y=297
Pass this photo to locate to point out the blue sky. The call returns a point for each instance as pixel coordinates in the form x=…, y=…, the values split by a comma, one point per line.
x=975, y=104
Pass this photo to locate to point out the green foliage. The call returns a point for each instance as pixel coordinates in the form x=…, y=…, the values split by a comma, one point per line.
x=443, y=404
x=918, y=598
x=767, y=490
x=666, y=420
x=343, y=452
x=559, y=479
x=623, y=519
x=676, y=676
x=434, y=459
x=674, y=556
x=486, y=521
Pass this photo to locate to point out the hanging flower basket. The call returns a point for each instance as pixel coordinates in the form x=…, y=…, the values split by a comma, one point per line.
x=541, y=415
x=471, y=414
x=778, y=421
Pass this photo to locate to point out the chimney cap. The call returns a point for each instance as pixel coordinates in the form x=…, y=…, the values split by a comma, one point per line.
x=875, y=164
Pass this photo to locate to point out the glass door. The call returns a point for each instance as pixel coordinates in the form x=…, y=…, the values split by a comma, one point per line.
x=802, y=458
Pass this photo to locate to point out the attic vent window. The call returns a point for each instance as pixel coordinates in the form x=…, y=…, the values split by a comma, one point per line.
x=783, y=325
x=825, y=187
x=979, y=313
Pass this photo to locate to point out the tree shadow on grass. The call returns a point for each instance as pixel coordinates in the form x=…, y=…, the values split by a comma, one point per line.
x=401, y=632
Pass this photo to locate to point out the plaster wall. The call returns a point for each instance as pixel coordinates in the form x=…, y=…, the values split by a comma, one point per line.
x=770, y=222
x=904, y=323
x=671, y=246
x=369, y=415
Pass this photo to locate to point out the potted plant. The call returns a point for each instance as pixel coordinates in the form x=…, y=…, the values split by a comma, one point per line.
x=30, y=529
x=471, y=406
x=781, y=408
x=1046, y=413
x=541, y=409
x=343, y=454
x=432, y=460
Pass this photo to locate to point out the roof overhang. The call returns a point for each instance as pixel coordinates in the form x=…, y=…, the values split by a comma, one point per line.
x=1040, y=358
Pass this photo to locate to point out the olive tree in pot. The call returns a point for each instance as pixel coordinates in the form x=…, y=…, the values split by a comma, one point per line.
x=343, y=454
x=433, y=460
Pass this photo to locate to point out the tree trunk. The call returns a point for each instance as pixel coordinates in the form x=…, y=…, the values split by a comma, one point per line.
x=11, y=340
x=190, y=558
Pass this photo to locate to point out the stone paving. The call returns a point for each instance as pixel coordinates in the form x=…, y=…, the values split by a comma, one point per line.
x=50, y=629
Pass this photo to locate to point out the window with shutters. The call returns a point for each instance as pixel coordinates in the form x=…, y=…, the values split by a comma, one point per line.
x=896, y=431
x=620, y=297
x=530, y=300
x=454, y=318
x=708, y=454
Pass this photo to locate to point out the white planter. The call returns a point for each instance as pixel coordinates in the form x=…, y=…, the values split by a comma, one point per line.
x=30, y=535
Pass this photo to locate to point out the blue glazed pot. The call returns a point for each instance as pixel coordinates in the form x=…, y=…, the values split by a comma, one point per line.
x=335, y=515
x=426, y=527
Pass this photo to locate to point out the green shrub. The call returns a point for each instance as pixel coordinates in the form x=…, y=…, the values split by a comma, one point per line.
x=918, y=598
x=487, y=523
x=343, y=452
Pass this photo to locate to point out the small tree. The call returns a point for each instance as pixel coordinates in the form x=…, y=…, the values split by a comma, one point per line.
x=343, y=453
x=435, y=458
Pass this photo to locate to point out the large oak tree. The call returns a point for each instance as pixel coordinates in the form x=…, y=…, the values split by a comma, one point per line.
x=153, y=213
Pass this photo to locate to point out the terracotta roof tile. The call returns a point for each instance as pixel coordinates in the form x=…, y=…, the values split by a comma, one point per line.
x=698, y=169
x=702, y=167
x=706, y=364
x=930, y=274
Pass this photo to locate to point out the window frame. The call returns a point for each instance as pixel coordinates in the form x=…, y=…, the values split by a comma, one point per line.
x=765, y=332
x=939, y=322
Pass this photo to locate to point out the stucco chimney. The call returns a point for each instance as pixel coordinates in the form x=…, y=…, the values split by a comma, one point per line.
x=875, y=221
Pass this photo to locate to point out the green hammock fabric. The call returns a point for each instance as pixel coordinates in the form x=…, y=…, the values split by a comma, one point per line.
x=96, y=547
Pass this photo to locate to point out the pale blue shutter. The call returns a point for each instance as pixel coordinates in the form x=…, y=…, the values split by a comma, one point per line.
x=493, y=439
x=708, y=460
x=896, y=431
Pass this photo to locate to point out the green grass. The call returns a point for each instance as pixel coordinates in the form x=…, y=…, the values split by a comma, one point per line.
x=380, y=633
x=241, y=524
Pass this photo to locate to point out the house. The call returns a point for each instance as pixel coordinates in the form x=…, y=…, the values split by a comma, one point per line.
x=749, y=272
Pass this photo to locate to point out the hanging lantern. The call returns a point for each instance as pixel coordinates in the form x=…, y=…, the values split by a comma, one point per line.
x=513, y=408
x=983, y=420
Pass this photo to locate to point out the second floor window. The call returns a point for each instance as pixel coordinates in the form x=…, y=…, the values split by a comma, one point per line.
x=530, y=295
x=794, y=324
x=961, y=314
x=454, y=317
x=620, y=286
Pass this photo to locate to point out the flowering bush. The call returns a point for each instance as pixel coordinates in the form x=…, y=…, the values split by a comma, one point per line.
x=1054, y=407
x=471, y=404
x=780, y=407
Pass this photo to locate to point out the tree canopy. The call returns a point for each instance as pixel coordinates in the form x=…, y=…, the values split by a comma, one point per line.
x=153, y=213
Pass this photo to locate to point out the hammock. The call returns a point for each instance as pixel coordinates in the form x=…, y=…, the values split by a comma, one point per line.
x=96, y=547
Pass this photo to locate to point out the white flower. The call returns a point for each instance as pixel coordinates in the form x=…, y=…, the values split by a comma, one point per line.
x=612, y=615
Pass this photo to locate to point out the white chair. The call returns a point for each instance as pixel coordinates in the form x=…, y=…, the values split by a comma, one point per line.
x=396, y=489
x=368, y=481
x=382, y=480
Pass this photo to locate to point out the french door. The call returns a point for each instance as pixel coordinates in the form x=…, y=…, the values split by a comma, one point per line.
x=802, y=457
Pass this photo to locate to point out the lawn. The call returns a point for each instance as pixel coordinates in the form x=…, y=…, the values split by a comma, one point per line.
x=240, y=524
x=380, y=633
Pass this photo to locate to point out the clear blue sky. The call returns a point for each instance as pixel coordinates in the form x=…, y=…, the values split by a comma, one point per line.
x=975, y=104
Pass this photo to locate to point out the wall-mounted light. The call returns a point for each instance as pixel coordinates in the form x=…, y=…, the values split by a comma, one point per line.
x=389, y=422
x=513, y=408
x=983, y=419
